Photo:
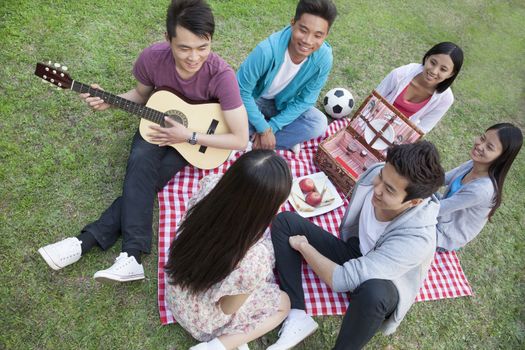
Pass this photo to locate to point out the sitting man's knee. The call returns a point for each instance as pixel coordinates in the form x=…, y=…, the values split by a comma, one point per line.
x=376, y=294
x=281, y=223
x=282, y=220
x=317, y=121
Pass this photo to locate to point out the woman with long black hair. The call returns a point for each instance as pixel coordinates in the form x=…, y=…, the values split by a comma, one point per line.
x=474, y=189
x=220, y=267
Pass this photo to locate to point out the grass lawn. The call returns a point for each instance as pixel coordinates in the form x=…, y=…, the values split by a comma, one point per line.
x=62, y=164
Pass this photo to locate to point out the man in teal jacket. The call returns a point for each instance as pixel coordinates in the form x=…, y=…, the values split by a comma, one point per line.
x=282, y=77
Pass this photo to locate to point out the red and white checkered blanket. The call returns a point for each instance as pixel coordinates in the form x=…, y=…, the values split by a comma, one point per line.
x=445, y=279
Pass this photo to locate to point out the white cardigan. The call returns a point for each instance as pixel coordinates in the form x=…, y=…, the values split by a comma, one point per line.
x=431, y=113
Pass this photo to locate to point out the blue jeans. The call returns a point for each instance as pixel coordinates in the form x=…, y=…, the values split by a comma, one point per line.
x=307, y=126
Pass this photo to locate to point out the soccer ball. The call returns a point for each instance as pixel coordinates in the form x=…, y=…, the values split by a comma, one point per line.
x=338, y=103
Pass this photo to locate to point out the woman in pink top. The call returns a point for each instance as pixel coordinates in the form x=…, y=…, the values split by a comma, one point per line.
x=422, y=91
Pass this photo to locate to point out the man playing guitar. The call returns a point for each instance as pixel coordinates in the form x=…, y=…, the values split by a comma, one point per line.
x=185, y=64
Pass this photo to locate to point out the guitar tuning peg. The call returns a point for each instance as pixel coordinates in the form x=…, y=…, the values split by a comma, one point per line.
x=64, y=68
x=57, y=65
x=49, y=62
x=44, y=81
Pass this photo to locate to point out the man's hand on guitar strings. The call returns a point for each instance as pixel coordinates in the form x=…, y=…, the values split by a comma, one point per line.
x=95, y=102
x=169, y=135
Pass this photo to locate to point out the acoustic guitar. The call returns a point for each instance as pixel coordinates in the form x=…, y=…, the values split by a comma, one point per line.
x=201, y=117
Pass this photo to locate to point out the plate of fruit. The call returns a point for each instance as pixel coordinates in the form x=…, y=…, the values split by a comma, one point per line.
x=314, y=195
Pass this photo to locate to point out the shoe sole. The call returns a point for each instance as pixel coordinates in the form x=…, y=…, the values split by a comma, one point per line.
x=48, y=259
x=115, y=279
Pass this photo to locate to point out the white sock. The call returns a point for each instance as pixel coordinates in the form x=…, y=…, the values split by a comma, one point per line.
x=215, y=344
x=296, y=313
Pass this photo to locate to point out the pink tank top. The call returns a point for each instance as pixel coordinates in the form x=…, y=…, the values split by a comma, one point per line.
x=406, y=107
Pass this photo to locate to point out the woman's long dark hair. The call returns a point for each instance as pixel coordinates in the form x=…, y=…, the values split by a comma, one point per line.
x=511, y=140
x=219, y=230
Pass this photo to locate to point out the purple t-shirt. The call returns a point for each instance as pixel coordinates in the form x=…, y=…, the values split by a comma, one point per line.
x=214, y=81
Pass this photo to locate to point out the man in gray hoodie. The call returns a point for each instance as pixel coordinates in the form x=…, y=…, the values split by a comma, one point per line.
x=388, y=239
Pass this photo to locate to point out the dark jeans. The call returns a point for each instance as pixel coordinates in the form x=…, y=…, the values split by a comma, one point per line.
x=149, y=168
x=371, y=303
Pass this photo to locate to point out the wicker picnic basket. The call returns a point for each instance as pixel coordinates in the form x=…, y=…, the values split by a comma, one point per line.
x=374, y=127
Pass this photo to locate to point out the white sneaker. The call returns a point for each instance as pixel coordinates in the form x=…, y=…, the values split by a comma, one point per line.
x=124, y=269
x=296, y=149
x=60, y=254
x=214, y=344
x=293, y=332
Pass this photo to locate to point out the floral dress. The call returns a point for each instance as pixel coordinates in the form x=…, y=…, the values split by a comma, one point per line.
x=200, y=314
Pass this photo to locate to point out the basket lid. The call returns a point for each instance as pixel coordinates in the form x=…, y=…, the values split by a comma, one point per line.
x=381, y=125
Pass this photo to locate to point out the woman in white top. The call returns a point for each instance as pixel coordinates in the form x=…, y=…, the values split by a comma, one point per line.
x=422, y=91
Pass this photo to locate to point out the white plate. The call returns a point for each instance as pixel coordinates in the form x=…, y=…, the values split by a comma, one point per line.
x=306, y=210
x=388, y=134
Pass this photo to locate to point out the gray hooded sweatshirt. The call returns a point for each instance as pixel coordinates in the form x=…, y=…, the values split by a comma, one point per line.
x=463, y=215
x=402, y=254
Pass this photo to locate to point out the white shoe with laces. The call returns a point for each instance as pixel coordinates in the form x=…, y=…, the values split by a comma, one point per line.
x=61, y=254
x=293, y=332
x=125, y=269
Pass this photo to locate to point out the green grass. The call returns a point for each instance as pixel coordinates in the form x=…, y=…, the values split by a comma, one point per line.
x=61, y=164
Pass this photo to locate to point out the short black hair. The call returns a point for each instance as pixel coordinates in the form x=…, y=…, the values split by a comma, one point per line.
x=322, y=8
x=456, y=55
x=420, y=164
x=193, y=15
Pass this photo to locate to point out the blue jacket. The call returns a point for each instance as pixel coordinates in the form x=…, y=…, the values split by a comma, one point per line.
x=260, y=68
x=402, y=254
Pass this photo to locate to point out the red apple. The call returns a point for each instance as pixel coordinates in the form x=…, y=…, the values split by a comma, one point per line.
x=307, y=185
x=313, y=199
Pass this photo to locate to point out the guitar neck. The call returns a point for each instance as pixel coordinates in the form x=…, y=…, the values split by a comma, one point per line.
x=117, y=101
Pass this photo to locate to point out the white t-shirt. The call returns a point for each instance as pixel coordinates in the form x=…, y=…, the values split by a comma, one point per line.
x=284, y=76
x=370, y=229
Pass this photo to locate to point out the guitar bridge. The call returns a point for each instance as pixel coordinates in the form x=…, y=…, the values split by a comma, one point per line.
x=211, y=130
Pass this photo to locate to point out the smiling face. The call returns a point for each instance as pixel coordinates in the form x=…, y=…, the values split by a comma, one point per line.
x=389, y=194
x=437, y=68
x=189, y=51
x=308, y=34
x=487, y=148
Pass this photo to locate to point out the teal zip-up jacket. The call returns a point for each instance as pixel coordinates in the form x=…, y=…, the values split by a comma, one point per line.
x=260, y=68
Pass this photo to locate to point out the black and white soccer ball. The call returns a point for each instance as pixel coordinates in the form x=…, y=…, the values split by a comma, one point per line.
x=338, y=103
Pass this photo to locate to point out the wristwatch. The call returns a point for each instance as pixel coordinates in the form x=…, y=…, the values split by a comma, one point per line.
x=193, y=139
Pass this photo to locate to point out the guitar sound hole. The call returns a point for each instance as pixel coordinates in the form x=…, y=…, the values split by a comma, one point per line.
x=177, y=116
